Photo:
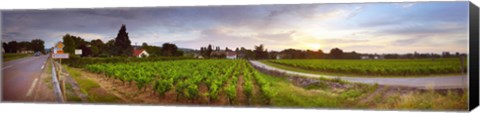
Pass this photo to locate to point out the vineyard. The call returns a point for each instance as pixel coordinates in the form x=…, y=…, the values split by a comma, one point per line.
x=186, y=76
x=403, y=67
x=237, y=83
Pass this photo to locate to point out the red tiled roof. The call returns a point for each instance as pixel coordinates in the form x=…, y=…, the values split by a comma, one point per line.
x=137, y=52
x=231, y=54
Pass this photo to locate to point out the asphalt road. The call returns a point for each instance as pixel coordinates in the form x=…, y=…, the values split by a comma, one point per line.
x=435, y=82
x=20, y=77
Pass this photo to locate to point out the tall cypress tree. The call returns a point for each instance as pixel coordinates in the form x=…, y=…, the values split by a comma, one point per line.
x=122, y=43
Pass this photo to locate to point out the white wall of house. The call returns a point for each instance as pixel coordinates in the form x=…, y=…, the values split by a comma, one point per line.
x=232, y=57
x=144, y=53
x=365, y=57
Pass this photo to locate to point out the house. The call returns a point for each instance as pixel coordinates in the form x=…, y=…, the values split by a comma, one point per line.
x=365, y=57
x=374, y=57
x=25, y=51
x=197, y=55
x=140, y=53
x=231, y=55
x=379, y=57
x=217, y=53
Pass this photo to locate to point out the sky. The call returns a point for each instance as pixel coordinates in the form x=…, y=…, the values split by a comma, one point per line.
x=425, y=27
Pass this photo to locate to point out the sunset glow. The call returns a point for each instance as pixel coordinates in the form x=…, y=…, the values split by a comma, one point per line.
x=367, y=28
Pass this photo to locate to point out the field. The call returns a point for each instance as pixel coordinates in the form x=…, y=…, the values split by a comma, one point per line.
x=13, y=56
x=237, y=83
x=76, y=61
x=397, y=67
x=188, y=77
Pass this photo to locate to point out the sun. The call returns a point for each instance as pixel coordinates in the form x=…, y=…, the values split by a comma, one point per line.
x=315, y=46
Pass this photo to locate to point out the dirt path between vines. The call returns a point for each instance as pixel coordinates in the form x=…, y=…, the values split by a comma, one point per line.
x=129, y=93
x=241, y=98
x=435, y=82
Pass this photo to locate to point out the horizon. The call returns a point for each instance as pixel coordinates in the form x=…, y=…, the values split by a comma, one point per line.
x=359, y=27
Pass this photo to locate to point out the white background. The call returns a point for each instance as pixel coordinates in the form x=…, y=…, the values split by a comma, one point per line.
x=87, y=108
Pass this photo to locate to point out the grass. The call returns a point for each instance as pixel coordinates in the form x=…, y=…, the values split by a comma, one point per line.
x=91, y=88
x=289, y=95
x=13, y=56
x=48, y=80
x=323, y=96
x=71, y=97
x=296, y=69
x=429, y=100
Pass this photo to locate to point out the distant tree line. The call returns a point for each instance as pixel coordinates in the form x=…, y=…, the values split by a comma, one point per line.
x=35, y=45
x=167, y=49
x=260, y=52
x=209, y=52
x=119, y=46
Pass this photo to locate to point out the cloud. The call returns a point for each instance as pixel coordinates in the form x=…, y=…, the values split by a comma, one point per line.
x=275, y=37
x=339, y=40
x=405, y=5
x=123, y=13
x=407, y=42
x=362, y=47
x=366, y=27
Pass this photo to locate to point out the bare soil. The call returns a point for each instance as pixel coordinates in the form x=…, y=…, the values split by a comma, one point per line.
x=129, y=93
x=241, y=98
x=203, y=90
x=257, y=98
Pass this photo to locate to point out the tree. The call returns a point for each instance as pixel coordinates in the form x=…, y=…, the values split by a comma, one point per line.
x=169, y=49
x=292, y=54
x=144, y=45
x=37, y=45
x=12, y=47
x=98, y=48
x=336, y=53
x=25, y=46
x=111, y=45
x=152, y=50
x=4, y=46
x=122, y=44
x=95, y=51
x=249, y=54
x=209, y=51
x=203, y=51
x=71, y=43
x=311, y=54
x=321, y=54
x=86, y=51
x=260, y=53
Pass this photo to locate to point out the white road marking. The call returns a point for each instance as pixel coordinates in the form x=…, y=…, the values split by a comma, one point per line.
x=7, y=67
x=32, y=87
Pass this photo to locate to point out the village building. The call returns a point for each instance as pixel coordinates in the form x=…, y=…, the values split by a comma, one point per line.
x=364, y=57
x=25, y=51
x=374, y=57
x=231, y=55
x=198, y=56
x=140, y=53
